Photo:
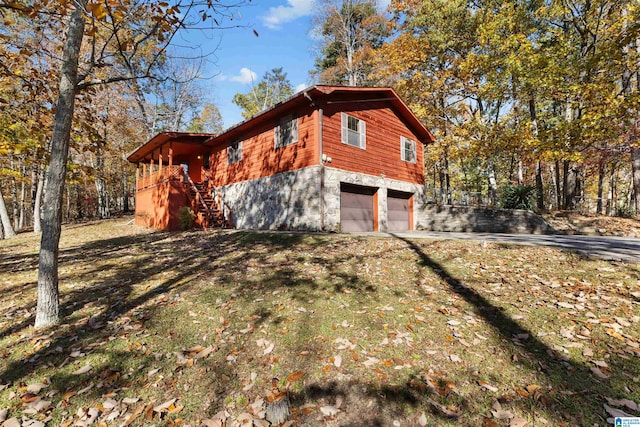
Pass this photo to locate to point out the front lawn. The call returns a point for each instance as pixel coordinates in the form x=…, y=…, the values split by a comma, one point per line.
x=190, y=328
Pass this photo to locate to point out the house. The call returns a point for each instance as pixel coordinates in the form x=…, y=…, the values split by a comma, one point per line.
x=328, y=158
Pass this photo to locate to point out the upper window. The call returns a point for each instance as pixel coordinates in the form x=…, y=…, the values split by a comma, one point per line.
x=407, y=149
x=354, y=131
x=286, y=132
x=234, y=152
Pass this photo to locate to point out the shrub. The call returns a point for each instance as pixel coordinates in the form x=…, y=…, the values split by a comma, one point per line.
x=625, y=211
x=186, y=218
x=519, y=197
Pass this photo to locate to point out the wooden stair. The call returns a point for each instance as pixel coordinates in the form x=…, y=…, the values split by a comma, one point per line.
x=206, y=207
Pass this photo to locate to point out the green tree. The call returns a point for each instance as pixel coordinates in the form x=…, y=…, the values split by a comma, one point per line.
x=209, y=120
x=350, y=30
x=271, y=89
x=125, y=41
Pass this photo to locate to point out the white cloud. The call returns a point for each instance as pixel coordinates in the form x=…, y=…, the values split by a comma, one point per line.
x=246, y=76
x=282, y=14
x=299, y=87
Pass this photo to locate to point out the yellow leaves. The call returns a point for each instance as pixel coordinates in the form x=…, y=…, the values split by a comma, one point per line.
x=97, y=10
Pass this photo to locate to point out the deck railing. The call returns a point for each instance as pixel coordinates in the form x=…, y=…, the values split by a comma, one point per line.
x=168, y=173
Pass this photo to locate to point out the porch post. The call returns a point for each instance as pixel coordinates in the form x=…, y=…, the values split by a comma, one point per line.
x=170, y=154
x=151, y=167
x=160, y=160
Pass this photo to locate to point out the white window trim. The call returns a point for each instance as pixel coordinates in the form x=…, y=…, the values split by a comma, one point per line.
x=362, y=131
x=277, y=136
x=238, y=147
x=403, y=140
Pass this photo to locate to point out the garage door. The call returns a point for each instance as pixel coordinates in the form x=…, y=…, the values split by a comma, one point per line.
x=398, y=211
x=356, y=208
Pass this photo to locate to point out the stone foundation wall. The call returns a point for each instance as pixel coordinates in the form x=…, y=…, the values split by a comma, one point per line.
x=481, y=220
x=285, y=201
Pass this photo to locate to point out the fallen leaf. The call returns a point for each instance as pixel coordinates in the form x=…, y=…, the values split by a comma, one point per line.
x=164, y=406
x=454, y=358
x=337, y=361
x=269, y=349
x=501, y=414
x=329, y=411
x=598, y=373
x=83, y=370
x=614, y=412
x=624, y=402
x=11, y=422
x=446, y=411
x=422, y=420
x=488, y=386
x=370, y=362
x=517, y=422
x=204, y=352
x=135, y=415
x=295, y=376
x=36, y=387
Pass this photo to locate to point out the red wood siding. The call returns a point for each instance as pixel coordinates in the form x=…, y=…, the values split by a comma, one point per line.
x=158, y=206
x=260, y=158
x=382, y=155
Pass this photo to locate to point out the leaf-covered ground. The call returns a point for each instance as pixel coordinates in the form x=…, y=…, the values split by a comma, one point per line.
x=191, y=328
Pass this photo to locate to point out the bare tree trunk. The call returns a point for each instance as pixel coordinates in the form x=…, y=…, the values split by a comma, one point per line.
x=14, y=192
x=534, y=131
x=635, y=163
x=520, y=171
x=37, y=204
x=101, y=186
x=558, y=188
x=572, y=186
x=601, y=173
x=611, y=203
x=5, y=220
x=493, y=186
x=48, y=307
x=22, y=197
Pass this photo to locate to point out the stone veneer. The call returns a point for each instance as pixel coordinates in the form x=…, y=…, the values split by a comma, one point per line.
x=290, y=200
x=477, y=219
x=284, y=201
x=333, y=178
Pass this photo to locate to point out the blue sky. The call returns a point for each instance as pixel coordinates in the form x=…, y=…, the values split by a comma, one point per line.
x=284, y=39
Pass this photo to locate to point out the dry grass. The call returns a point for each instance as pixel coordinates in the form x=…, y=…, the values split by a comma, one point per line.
x=383, y=330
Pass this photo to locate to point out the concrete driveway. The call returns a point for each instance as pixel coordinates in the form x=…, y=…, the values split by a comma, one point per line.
x=600, y=247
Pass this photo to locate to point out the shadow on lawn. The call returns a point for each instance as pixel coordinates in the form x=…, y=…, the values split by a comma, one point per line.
x=116, y=269
x=574, y=387
x=114, y=276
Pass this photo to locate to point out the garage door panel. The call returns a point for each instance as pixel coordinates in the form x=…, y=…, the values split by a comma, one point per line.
x=398, y=212
x=356, y=209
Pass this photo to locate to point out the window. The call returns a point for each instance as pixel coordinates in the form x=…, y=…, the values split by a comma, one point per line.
x=234, y=152
x=354, y=131
x=286, y=132
x=407, y=150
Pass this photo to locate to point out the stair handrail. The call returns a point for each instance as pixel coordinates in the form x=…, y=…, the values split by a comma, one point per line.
x=198, y=195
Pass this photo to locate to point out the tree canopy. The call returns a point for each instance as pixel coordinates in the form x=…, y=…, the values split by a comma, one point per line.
x=271, y=89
